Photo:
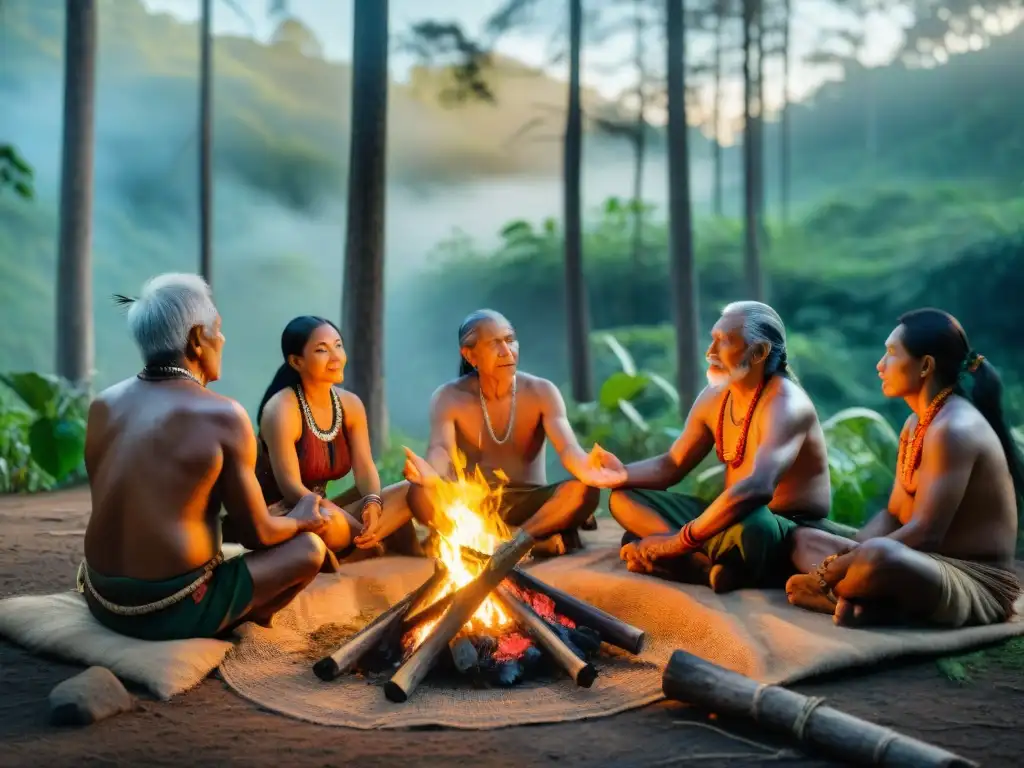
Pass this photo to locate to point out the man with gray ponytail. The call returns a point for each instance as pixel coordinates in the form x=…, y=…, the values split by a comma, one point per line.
x=500, y=419
x=163, y=454
x=942, y=550
x=765, y=430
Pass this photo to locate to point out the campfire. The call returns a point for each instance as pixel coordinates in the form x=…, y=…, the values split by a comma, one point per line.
x=479, y=616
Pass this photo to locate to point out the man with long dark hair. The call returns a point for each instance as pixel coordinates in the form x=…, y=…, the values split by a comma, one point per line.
x=163, y=453
x=500, y=419
x=764, y=428
x=942, y=551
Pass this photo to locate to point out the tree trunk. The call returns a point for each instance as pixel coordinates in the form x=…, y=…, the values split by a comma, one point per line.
x=762, y=229
x=74, y=258
x=752, y=257
x=682, y=267
x=640, y=146
x=363, y=295
x=784, y=146
x=717, y=108
x=205, y=143
x=575, y=287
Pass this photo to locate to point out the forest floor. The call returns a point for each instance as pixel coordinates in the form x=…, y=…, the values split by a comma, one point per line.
x=969, y=705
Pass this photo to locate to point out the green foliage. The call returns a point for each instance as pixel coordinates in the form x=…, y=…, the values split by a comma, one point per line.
x=961, y=667
x=15, y=172
x=840, y=279
x=42, y=432
x=629, y=416
x=862, y=449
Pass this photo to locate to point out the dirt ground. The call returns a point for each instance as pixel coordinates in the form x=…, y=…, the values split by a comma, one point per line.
x=40, y=545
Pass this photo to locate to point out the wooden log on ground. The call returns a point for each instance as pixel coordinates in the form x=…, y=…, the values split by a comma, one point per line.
x=348, y=655
x=613, y=631
x=693, y=680
x=579, y=670
x=464, y=605
x=464, y=654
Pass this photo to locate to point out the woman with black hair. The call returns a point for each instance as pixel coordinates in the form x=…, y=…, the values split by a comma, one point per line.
x=943, y=550
x=313, y=432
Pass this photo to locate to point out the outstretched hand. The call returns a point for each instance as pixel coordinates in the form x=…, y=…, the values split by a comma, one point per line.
x=603, y=469
x=417, y=471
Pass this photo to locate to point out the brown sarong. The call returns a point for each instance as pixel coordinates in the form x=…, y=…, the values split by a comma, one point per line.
x=974, y=593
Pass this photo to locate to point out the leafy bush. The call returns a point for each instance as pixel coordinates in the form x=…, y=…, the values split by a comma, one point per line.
x=42, y=432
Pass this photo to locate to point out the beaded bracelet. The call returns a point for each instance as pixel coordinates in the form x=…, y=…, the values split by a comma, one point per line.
x=687, y=537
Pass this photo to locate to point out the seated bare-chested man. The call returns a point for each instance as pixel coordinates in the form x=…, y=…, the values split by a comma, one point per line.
x=163, y=453
x=500, y=419
x=942, y=551
x=765, y=430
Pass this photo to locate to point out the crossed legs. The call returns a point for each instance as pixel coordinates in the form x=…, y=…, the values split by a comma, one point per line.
x=878, y=581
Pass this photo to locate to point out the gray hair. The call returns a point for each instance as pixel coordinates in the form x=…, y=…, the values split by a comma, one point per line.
x=469, y=329
x=762, y=325
x=166, y=311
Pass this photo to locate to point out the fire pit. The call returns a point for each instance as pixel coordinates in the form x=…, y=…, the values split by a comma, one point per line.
x=479, y=618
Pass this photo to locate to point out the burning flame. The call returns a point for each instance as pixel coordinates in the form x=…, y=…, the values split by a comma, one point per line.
x=467, y=514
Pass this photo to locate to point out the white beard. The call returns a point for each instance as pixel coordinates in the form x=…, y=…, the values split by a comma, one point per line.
x=720, y=378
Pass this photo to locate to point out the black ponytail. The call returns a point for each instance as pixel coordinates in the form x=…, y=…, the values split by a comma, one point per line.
x=987, y=396
x=285, y=377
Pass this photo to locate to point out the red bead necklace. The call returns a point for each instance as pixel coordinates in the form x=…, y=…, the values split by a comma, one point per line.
x=736, y=459
x=909, y=457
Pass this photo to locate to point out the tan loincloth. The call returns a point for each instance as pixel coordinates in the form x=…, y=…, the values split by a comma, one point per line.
x=974, y=593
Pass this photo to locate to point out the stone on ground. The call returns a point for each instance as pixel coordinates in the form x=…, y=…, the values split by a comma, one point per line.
x=88, y=697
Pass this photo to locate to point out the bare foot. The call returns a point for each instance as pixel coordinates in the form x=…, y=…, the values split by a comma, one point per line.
x=851, y=614
x=552, y=546
x=804, y=590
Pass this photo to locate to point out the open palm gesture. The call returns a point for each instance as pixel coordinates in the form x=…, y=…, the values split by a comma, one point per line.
x=603, y=469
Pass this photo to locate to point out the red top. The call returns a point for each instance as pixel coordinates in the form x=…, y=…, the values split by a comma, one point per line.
x=319, y=462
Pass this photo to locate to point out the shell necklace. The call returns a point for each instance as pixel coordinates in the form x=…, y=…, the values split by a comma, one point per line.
x=511, y=416
x=168, y=372
x=337, y=416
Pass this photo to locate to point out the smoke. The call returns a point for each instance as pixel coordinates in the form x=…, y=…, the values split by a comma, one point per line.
x=275, y=260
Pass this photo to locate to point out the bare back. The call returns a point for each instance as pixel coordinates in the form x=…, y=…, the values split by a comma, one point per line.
x=984, y=523
x=154, y=454
x=522, y=457
x=804, y=488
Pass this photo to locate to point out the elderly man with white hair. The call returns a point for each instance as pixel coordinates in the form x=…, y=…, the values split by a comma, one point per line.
x=765, y=431
x=164, y=454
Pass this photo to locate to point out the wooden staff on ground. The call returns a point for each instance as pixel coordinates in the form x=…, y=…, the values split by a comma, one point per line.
x=693, y=680
x=463, y=606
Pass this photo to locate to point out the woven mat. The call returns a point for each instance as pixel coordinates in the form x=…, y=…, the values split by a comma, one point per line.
x=756, y=633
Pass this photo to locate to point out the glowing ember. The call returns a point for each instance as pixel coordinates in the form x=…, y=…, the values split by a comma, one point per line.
x=467, y=515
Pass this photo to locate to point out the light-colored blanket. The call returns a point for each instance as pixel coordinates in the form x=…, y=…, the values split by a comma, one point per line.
x=756, y=633
x=753, y=632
